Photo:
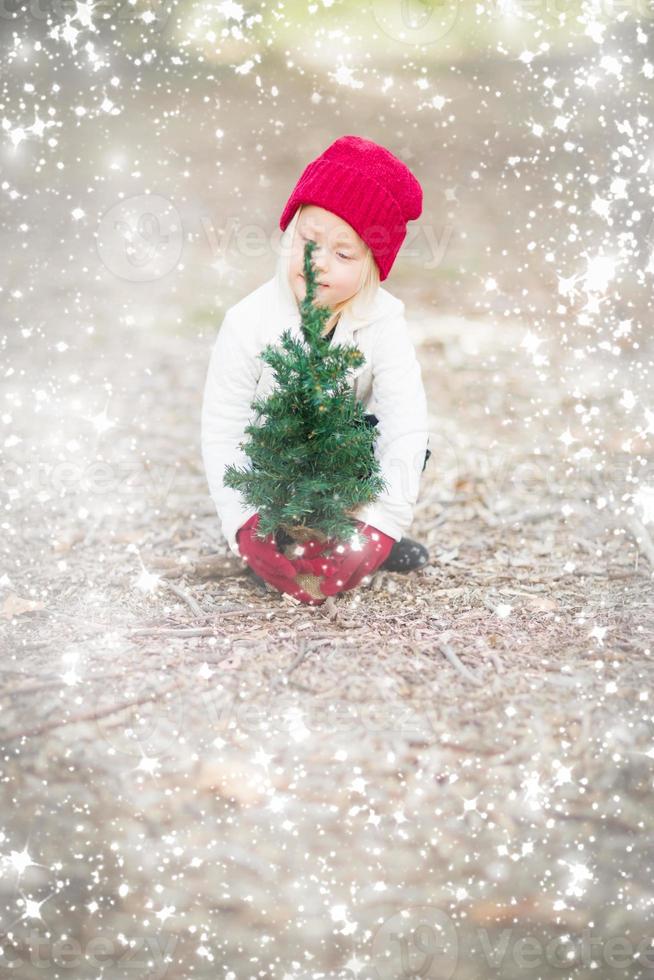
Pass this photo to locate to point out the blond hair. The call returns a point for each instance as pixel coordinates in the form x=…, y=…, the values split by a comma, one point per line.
x=358, y=304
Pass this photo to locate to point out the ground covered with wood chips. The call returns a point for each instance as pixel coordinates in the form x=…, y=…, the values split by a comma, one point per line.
x=443, y=764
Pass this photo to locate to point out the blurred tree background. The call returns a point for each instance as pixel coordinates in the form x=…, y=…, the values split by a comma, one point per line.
x=528, y=123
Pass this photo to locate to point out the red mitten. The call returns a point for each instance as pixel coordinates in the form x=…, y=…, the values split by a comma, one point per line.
x=354, y=560
x=265, y=559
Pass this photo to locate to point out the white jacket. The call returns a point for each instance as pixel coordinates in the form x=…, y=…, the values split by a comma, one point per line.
x=388, y=383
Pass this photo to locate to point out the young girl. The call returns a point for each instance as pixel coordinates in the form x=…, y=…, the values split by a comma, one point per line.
x=354, y=201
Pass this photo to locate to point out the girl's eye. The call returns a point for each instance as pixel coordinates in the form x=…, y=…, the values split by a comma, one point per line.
x=346, y=257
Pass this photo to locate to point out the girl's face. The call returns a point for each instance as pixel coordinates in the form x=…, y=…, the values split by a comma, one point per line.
x=337, y=259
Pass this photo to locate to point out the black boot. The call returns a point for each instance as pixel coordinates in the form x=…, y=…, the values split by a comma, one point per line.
x=405, y=555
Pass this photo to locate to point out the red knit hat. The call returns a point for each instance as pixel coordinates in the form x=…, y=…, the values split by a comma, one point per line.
x=363, y=183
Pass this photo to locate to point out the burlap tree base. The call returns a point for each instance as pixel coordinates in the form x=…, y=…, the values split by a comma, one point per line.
x=287, y=539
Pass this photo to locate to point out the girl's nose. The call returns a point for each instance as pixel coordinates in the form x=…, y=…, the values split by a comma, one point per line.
x=318, y=256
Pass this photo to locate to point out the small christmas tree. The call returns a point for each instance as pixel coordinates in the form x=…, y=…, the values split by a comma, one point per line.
x=312, y=457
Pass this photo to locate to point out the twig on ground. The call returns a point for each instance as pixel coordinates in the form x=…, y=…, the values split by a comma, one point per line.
x=209, y=630
x=211, y=567
x=92, y=715
x=282, y=677
x=303, y=651
x=58, y=682
x=453, y=659
x=188, y=599
x=527, y=516
x=496, y=662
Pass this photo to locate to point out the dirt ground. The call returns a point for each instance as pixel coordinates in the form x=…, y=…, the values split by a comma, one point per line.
x=444, y=774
